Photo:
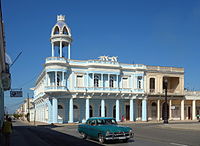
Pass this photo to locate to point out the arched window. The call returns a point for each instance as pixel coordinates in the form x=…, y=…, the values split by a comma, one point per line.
x=111, y=85
x=152, y=84
x=153, y=104
x=58, y=79
x=91, y=111
x=96, y=80
x=75, y=107
x=65, y=31
x=139, y=82
x=56, y=30
x=60, y=107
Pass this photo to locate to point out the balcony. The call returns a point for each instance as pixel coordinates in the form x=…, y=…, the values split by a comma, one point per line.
x=55, y=88
x=56, y=60
x=107, y=89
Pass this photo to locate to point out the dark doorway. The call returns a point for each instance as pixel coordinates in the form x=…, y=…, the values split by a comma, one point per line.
x=163, y=111
x=114, y=112
x=189, y=112
x=127, y=112
x=91, y=111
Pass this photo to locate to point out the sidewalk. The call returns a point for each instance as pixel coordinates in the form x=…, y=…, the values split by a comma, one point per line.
x=185, y=124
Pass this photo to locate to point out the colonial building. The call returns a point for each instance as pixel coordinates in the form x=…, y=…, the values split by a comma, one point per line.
x=24, y=109
x=71, y=90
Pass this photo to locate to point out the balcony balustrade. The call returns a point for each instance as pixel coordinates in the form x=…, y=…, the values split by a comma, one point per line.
x=56, y=60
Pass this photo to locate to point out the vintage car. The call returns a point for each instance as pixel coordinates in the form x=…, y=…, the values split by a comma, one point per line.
x=105, y=128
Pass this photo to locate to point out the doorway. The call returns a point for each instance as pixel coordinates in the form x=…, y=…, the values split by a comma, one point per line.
x=189, y=113
x=127, y=112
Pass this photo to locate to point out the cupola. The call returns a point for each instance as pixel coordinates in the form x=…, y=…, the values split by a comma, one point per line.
x=60, y=37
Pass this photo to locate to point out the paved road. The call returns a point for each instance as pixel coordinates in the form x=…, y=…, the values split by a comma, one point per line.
x=25, y=135
x=64, y=135
x=151, y=135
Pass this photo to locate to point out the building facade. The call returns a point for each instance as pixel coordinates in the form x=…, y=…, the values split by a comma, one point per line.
x=4, y=69
x=70, y=90
x=25, y=109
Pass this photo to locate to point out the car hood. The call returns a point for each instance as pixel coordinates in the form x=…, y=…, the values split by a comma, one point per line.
x=114, y=128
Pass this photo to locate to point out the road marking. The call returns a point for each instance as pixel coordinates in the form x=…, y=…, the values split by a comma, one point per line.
x=178, y=144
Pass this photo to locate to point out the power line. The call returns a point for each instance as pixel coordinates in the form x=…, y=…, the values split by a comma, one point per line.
x=16, y=59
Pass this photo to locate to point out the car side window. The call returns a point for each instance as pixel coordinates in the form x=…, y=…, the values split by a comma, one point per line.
x=88, y=122
x=93, y=123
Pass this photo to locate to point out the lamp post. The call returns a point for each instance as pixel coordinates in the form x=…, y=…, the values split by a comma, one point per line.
x=165, y=112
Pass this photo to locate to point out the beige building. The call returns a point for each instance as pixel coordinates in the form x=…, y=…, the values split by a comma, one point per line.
x=182, y=104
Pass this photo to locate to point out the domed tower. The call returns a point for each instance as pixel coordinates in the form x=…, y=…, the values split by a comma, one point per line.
x=60, y=37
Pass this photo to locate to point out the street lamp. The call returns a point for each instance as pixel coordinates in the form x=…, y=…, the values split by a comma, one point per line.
x=165, y=112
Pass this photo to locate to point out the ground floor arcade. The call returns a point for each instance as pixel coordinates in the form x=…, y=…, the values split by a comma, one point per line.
x=69, y=110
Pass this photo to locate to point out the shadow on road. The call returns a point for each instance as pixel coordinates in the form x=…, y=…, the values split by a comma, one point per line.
x=43, y=135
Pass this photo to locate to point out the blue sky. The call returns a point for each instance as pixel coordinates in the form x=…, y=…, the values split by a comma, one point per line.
x=155, y=32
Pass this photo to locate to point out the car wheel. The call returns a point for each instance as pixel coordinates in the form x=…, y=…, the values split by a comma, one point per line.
x=125, y=140
x=83, y=135
x=101, y=139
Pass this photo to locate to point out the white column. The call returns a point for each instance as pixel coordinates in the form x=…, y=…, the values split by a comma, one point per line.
x=144, y=109
x=170, y=110
x=69, y=47
x=46, y=79
x=55, y=78
x=131, y=110
x=182, y=109
x=194, y=110
x=117, y=84
x=117, y=110
x=158, y=109
x=60, y=48
x=102, y=108
x=101, y=80
x=87, y=108
x=108, y=80
x=55, y=110
x=87, y=78
x=52, y=49
x=92, y=79
x=71, y=112
x=145, y=83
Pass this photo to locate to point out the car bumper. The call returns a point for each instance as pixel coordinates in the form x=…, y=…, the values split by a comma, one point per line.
x=119, y=137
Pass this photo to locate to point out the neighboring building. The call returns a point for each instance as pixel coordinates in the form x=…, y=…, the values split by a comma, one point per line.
x=70, y=91
x=25, y=108
x=4, y=70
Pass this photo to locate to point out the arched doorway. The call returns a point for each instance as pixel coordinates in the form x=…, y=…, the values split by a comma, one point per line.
x=153, y=110
x=60, y=113
x=114, y=111
x=76, y=113
x=91, y=111
x=163, y=110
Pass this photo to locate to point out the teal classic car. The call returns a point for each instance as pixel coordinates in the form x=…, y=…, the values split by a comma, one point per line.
x=104, y=128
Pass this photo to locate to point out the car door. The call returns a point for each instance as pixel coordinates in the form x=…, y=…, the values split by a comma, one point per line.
x=87, y=127
x=94, y=129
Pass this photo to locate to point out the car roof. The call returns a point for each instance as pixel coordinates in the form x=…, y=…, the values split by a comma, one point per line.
x=95, y=118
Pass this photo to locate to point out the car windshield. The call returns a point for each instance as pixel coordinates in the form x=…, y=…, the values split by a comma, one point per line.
x=106, y=122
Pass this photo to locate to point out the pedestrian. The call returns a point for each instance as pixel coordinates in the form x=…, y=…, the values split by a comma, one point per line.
x=7, y=130
x=122, y=118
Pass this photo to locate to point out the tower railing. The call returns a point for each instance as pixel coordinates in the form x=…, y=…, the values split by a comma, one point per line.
x=55, y=59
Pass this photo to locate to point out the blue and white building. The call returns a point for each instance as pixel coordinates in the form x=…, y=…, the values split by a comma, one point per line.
x=71, y=90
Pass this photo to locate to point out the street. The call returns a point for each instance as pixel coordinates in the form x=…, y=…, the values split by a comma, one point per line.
x=151, y=134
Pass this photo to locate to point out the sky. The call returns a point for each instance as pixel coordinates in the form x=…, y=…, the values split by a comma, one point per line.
x=164, y=33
